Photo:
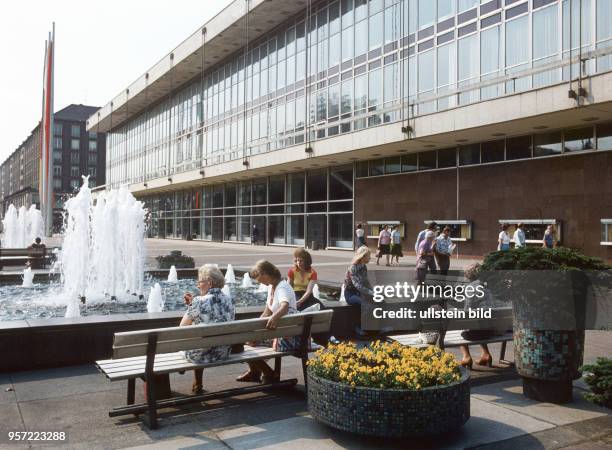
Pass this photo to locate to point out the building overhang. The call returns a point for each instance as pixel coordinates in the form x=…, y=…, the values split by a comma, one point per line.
x=219, y=38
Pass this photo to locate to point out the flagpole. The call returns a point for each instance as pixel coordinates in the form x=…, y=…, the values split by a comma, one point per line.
x=42, y=182
x=50, y=199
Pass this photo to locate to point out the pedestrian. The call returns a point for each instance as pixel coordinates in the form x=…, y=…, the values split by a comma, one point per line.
x=443, y=249
x=431, y=227
x=549, y=241
x=425, y=257
x=519, y=236
x=396, y=244
x=360, y=234
x=503, y=240
x=384, y=241
x=255, y=235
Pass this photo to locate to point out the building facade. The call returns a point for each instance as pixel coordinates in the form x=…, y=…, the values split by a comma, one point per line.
x=76, y=152
x=305, y=118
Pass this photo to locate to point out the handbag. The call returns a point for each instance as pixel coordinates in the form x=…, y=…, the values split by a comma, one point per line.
x=421, y=263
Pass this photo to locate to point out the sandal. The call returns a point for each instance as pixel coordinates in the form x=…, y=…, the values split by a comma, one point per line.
x=484, y=361
x=249, y=377
x=467, y=363
x=197, y=389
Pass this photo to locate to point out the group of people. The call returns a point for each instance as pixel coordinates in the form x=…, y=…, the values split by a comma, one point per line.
x=284, y=297
x=549, y=239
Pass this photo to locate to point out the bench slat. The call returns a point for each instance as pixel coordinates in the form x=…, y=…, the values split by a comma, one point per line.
x=247, y=355
x=213, y=341
x=215, y=329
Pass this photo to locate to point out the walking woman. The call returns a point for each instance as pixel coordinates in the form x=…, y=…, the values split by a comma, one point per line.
x=360, y=235
x=425, y=257
x=443, y=249
x=503, y=240
x=396, y=245
x=384, y=241
x=280, y=302
x=549, y=241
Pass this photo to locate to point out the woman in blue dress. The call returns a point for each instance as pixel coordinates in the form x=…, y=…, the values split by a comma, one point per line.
x=211, y=306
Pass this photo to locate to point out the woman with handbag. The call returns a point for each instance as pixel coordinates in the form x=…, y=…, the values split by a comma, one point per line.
x=425, y=257
x=384, y=247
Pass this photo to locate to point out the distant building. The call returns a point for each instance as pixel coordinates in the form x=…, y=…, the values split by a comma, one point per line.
x=75, y=152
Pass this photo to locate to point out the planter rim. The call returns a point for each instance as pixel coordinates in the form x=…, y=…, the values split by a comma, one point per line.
x=465, y=376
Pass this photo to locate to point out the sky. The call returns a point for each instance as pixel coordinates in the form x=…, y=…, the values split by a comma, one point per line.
x=101, y=47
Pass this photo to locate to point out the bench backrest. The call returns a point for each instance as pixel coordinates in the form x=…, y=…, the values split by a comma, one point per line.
x=23, y=252
x=135, y=343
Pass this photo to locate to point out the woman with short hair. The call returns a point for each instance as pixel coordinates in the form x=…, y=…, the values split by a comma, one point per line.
x=211, y=306
x=280, y=302
x=503, y=240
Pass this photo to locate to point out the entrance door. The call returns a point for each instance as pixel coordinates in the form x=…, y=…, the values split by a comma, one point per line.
x=316, y=230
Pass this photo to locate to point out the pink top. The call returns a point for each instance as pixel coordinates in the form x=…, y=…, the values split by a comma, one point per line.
x=384, y=238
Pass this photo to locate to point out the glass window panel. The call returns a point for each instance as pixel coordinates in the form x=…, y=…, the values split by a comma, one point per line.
x=427, y=160
x=322, y=24
x=260, y=192
x=295, y=188
x=323, y=55
x=391, y=84
x=300, y=112
x=346, y=97
x=446, y=8
x=426, y=71
x=230, y=195
x=347, y=44
x=446, y=64
x=578, y=139
x=347, y=13
x=277, y=189
x=463, y=5
x=361, y=38
x=575, y=15
x=341, y=230
x=334, y=101
x=468, y=57
x=341, y=183
x=230, y=229
x=290, y=119
x=276, y=229
x=290, y=72
x=604, y=136
x=334, y=18
x=376, y=31
x=447, y=158
x=361, y=92
x=300, y=33
x=300, y=67
x=409, y=162
x=295, y=230
x=392, y=24
x=517, y=41
x=427, y=13
x=361, y=10
x=316, y=185
x=393, y=165
x=547, y=144
x=334, y=50
x=377, y=167
x=375, y=91
x=321, y=105
x=469, y=154
x=361, y=169
x=518, y=147
x=492, y=151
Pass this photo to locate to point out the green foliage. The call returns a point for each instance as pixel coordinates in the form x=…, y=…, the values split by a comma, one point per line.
x=538, y=258
x=599, y=378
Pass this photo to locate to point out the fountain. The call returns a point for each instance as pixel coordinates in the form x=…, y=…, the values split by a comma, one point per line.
x=155, y=303
x=172, y=275
x=102, y=253
x=21, y=227
x=226, y=290
x=262, y=288
x=246, y=281
x=28, y=278
x=230, y=277
x=316, y=293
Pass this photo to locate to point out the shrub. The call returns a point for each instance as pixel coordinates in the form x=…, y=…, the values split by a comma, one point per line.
x=538, y=258
x=599, y=378
x=385, y=365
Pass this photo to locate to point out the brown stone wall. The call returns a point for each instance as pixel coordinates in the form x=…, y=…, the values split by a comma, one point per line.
x=574, y=189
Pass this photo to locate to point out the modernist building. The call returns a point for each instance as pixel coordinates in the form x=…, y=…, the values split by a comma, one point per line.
x=76, y=152
x=307, y=117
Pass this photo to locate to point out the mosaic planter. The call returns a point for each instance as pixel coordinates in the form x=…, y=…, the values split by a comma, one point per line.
x=548, y=361
x=390, y=412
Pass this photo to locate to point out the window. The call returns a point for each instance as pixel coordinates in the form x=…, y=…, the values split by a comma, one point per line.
x=490, y=60
x=447, y=158
x=518, y=147
x=361, y=38
x=492, y=151
x=74, y=184
x=57, y=157
x=361, y=93
x=517, y=51
x=75, y=131
x=376, y=31
x=545, y=43
x=375, y=92
x=316, y=186
x=578, y=139
x=75, y=144
x=93, y=135
x=57, y=171
x=92, y=159
x=446, y=8
x=341, y=183
x=92, y=171
x=74, y=158
x=93, y=146
x=57, y=184
x=427, y=13
x=468, y=57
x=547, y=144
x=604, y=136
x=446, y=73
x=409, y=162
x=393, y=165
x=58, y=129
x=74, y=171
x=463, y=5
x=469, y=154
x=57, y=143
x=427, y=160
x=606, y=231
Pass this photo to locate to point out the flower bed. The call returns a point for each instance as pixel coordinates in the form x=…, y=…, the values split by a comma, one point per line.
x=388, y=390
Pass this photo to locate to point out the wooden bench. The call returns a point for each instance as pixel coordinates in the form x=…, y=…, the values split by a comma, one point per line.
x=37, y=257
x=149, y=353
x=502, y=322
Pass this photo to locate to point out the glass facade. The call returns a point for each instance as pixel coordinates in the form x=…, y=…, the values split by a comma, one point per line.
x=293, y=209
x=348, y=66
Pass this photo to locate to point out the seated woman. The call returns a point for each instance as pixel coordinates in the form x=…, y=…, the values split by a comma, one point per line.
x=357, y=287
x=302, y=278
x=211, y=306
x=280, y=302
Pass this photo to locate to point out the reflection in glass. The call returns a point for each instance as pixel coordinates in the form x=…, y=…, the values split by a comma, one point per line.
x=341, y=230
x=578, y=139
x=547, y=144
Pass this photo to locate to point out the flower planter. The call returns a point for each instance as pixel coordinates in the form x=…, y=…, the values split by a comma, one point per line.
x=390, y=412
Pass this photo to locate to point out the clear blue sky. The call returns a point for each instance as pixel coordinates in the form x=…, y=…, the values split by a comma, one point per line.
x=101, y=48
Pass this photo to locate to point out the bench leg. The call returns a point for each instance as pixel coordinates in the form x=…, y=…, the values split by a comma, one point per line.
x=502, y=355
x=131, y=388
x=152, y=407
x=277, y=367
x=304, y=364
